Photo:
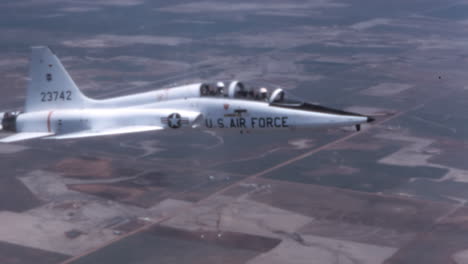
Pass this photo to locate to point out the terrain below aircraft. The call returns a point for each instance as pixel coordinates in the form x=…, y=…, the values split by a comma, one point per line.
x=56, y=109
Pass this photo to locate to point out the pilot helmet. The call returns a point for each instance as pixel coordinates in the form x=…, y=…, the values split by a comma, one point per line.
x=220, y=84
x=263, y=92
x=220, y=87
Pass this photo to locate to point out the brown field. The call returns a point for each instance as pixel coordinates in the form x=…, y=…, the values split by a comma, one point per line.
x=85, y=168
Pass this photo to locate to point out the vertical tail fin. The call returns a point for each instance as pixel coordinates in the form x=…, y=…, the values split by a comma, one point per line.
x=50, y=86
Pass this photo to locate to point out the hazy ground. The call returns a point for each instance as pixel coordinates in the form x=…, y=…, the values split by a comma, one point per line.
x=394, y=193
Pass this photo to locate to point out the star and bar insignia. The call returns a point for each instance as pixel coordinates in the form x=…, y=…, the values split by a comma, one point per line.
x=174, y=120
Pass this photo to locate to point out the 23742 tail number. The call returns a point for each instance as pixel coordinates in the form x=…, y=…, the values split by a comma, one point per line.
x=53, y=96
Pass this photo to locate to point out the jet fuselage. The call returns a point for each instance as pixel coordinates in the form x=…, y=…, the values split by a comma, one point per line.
x=55, y=108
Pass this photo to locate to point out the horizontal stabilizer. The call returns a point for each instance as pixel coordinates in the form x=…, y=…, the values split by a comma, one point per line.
x=107, y=132
x=24, y=136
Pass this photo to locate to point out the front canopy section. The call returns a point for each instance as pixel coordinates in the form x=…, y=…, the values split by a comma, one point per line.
x=281, y=97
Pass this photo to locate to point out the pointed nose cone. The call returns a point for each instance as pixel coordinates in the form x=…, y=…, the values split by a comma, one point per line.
x=326, y=116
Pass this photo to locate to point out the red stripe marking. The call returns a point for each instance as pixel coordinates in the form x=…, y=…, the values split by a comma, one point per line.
x=48, y=120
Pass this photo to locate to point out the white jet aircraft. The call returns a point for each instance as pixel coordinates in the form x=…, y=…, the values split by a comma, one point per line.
x=56, y=109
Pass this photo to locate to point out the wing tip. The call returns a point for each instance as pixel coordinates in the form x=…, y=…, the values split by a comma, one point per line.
x=109, y=132
x=23, y=136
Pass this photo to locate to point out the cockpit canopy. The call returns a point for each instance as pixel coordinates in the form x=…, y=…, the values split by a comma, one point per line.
x=237, y=90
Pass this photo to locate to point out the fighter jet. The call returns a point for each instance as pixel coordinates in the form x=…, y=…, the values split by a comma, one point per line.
x=55, y=108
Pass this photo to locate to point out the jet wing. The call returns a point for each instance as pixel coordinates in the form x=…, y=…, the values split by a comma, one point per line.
x=24, y=136
x=107, y=132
